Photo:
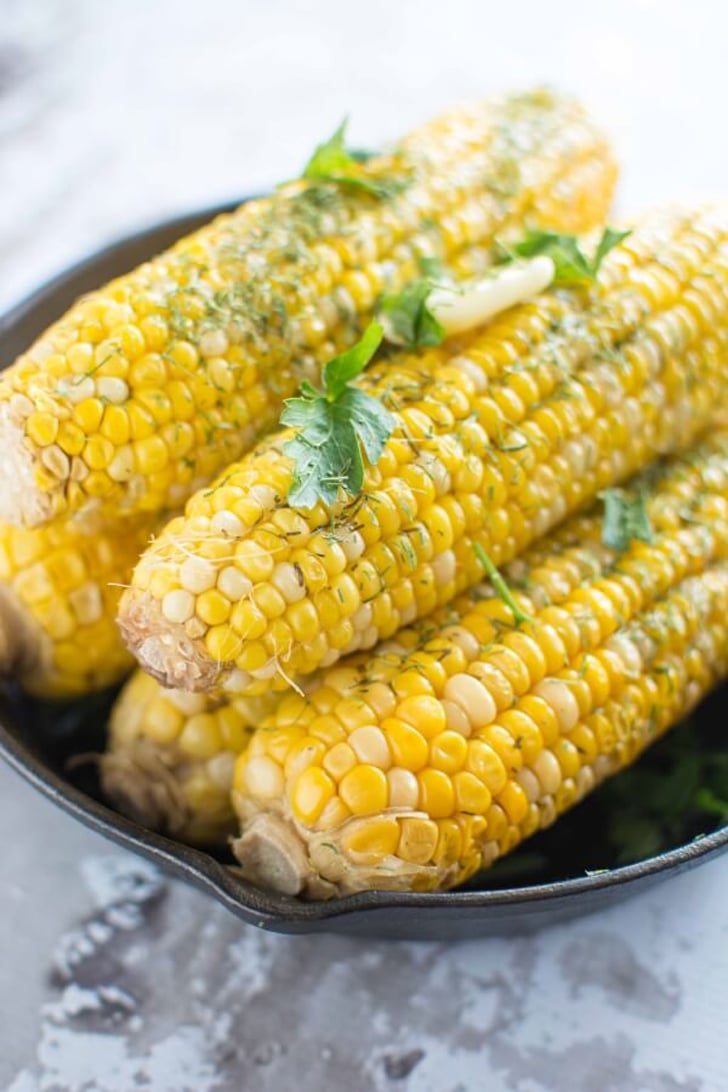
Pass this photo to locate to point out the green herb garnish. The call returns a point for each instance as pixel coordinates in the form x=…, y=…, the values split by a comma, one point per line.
x=571, y=264
x=407, y=319
x=333, y=426
x=500, y=585
x=625, y=519
x=332, y=161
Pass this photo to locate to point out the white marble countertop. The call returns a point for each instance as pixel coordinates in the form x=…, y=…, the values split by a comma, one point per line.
x=112, y=977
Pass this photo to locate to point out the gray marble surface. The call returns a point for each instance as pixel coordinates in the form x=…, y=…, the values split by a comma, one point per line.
x=112, y=977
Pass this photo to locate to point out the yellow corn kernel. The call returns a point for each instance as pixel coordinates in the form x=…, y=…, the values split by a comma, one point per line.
x=42, y=428
x=222, y=644
x=87, y=415
x=448, y=752
x=514, y=802
x=424, y=713
x=98, y=453
x=311, y=791
x=339, y=760
x=407, y=745
x=212, y=607
x=485, y=762
x=372, y=839
x=364, y=790
x=151, y=454
x=449, y=843
x=417, y=840
x=200, y=736
x=524, y=732
x=247, y=621
x=471, y=794
x=437, y=796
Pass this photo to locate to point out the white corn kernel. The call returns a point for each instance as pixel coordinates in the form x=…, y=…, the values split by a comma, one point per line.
x=228, y=524
x=289, y=582
x=456, y=718
x=559, y=696
x=77, y=390
x=264, y=777
x=221, y=769
x=213, y=343
x=233, y=585
x=353, y=545
x=187, y=702
x=443, y=568
x=547, y=770
x=472, y=696
x=473, y=371
x=121, y=467
x=547, y=811
x=437, y=472
x=529, y=783
x=86, y=603
x=178, y=606
x=265, y=495
x=362, y=618
x=370, y=746
x=404, y=789
x=197, y=575
x=627, y=652
x=56, y=461
x=585, y=781
x=112, y=389
x=369, y=637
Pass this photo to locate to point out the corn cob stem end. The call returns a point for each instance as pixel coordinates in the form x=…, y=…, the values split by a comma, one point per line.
x=19, y=649
x=273, y=856
x=139, y=782
x=21, y=501
x=165, y=653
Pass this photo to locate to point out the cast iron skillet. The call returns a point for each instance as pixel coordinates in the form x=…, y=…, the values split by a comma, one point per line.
x=38, y=741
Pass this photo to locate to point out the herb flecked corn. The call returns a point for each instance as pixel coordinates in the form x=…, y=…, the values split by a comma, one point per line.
x=499, y=435
x=415, y=767
x=59, y=593
x=148, y=387
x=170, y=758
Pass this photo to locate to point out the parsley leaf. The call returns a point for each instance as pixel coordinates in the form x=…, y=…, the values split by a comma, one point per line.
x=708, y=801
x=625, y=519
x=571, y=264
x=332, y=161
x=500, y=585
x=610, y=238
x=334, y=426
x=406, y=318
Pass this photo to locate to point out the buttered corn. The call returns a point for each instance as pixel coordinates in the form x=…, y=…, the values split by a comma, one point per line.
x=416, y=766
x=499, y=435
x=148, y=387
x=170, y=758
x=59, y=592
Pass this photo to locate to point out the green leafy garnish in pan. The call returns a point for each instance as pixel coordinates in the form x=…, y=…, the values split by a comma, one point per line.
x=625, y=519
x=336, y=427
x=333, y=161
x=572, y=266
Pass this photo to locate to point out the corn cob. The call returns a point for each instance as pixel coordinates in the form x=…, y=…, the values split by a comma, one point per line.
x=499, y=436
x=59, y=592
x=170, y=758
x=414, y=768
x=147, y=388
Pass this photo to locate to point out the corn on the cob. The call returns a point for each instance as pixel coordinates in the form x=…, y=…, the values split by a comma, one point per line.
x=499, y=435
x=148, y=387
x=414, y=768
x=59, y=593
x=170, y=758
